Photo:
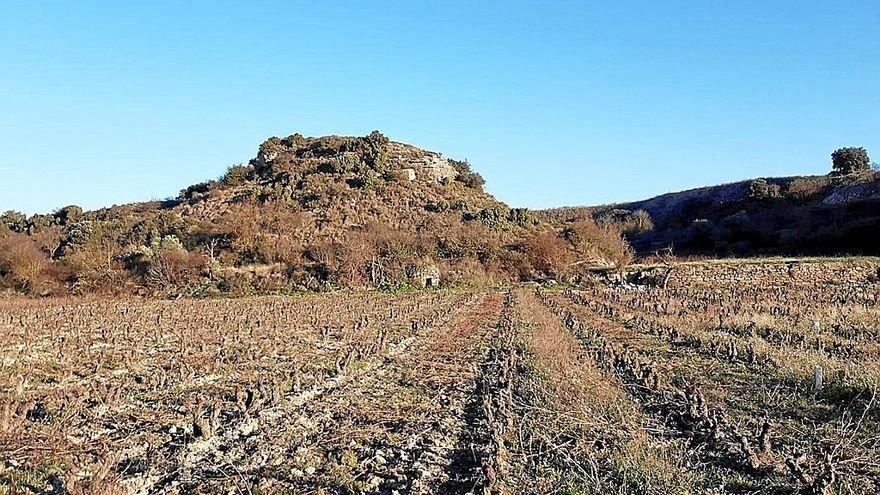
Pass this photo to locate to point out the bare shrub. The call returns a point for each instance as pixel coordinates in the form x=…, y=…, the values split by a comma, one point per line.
x=467, y=271
x=377, y=255
x=269, y=232
x=548, y=253
x=806, y=187
x=96, y=263
x=471, y=240
x=592, y=241
x=175, y=268
x=23, y=265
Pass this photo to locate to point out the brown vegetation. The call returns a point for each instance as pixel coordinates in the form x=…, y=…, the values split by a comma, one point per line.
x=306, y=213
x=24, y=265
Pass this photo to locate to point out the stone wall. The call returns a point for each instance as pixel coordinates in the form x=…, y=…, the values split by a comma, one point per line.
x=767, y=272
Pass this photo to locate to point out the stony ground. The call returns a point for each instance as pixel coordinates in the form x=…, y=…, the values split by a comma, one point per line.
x=741, y=389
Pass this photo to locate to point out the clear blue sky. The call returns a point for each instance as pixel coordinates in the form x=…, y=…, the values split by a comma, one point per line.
x=554, y=102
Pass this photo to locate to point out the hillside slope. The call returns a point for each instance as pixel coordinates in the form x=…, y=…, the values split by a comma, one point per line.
x=808, y=215
x=304, y=213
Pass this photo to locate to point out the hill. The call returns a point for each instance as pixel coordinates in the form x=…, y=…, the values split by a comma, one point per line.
x=304, y=213
x=805, y=215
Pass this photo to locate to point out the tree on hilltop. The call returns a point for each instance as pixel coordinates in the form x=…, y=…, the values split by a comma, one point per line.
x=850, y=160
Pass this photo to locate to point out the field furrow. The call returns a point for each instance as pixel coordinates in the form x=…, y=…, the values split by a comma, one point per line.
x=743, y=414
x=610, y=388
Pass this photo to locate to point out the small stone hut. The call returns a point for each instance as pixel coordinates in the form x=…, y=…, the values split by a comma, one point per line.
x=424, y=275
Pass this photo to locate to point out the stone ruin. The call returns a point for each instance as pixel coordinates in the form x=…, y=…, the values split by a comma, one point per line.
x=425, y=275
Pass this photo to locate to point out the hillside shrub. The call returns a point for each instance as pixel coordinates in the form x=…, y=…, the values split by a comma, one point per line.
x=590, y=241
x=626, y=221
x=68, y=214
x=395, y=176
x=360, y=182
x=470, y=272
x=343, y=163
x=262, y=233
x=96, y=260
x=38, y=223
x=373, y=255
x=175, y=268
x=236, y=175
x=14, y=221
x=490, y=217
x=23, y=265
x=548, y=254
x=196, y=191
x=466, y=175
x=761, y=189
x=521, y=217
x=472, y=240
x=804, y=188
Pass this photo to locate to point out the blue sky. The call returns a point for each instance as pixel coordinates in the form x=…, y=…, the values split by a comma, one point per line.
x=554, y=102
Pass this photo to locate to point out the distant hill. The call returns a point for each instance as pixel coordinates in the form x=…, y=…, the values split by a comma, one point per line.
x=304, y=213
x=807, y=215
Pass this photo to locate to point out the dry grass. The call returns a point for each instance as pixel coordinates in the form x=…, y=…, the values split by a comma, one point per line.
x=581, y=432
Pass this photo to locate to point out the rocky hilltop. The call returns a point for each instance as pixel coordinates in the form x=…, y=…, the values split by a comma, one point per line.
x=335, y=184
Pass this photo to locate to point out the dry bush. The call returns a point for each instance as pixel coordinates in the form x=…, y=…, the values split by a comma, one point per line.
x=592, y=241
x=375, y=255
x=23, y=265
x=355, y=263
x=270, y=232
x=548, y=253
x=397, y=244
x=49, y=240
x=173, y=268
x=471, y=239
x=96, y=267
x=806, y=187
x=468, y=271
x=641, y=222
x=352, y=263
x=565, y=214
x=396, y=176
